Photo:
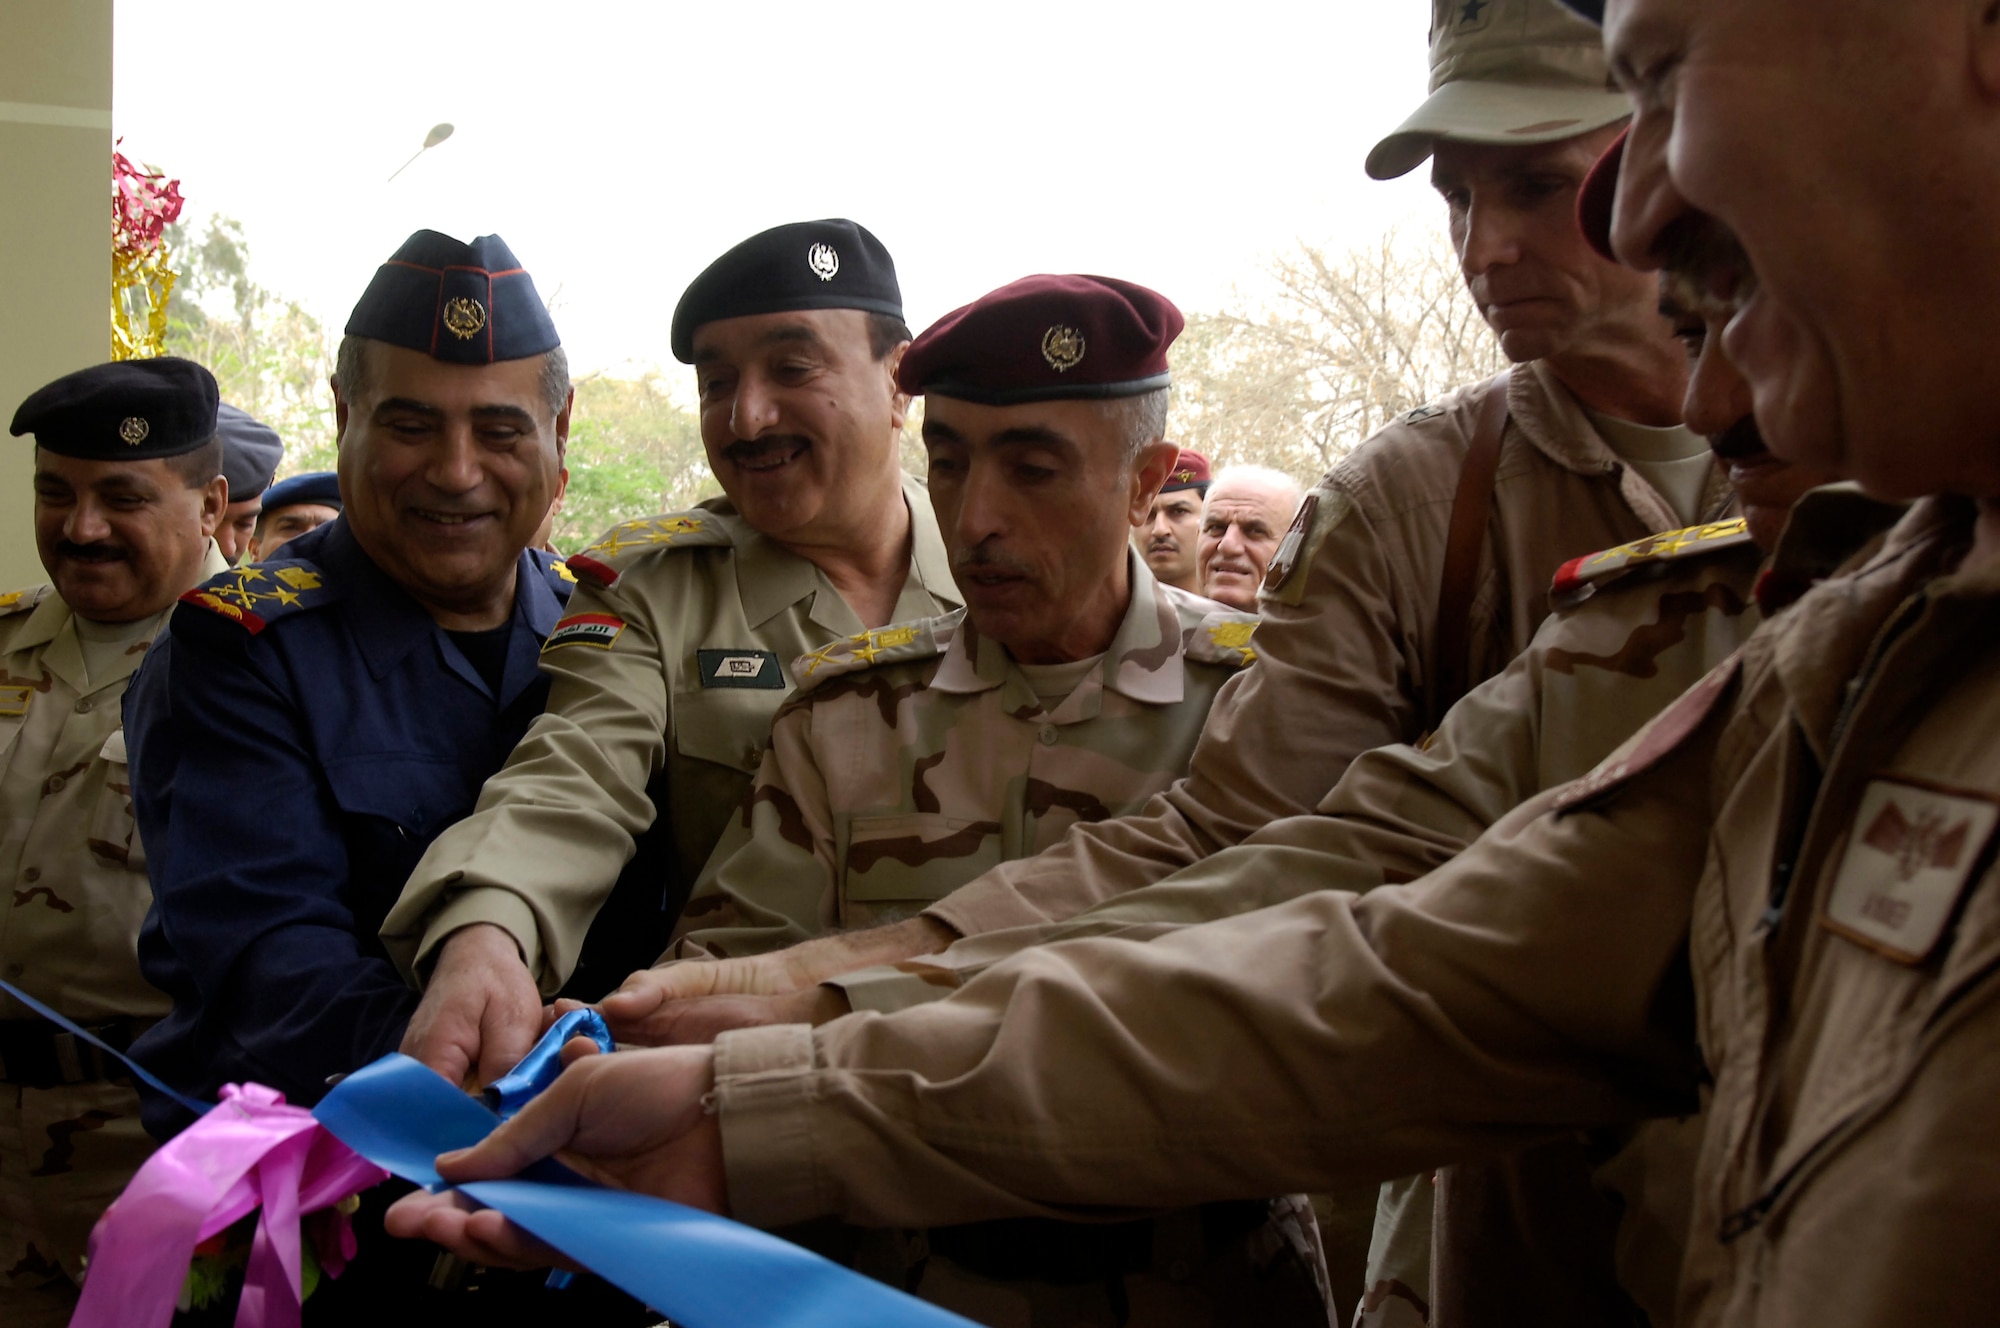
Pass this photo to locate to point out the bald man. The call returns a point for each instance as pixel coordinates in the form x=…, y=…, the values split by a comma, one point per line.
x=1247, y=512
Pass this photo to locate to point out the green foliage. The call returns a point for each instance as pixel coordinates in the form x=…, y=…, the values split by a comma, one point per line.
x=633, y=452
x=270, y=357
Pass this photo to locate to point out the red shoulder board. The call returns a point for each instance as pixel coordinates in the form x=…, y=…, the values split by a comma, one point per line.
x=582, y=567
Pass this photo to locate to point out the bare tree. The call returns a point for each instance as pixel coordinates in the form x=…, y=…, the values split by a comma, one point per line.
x=1340, y=347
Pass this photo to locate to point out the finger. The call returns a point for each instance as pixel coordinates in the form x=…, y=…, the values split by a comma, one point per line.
x=577, y=1048
x=406, y=1217
x=498, y=1242
x=639, y=995
x=547, y=1123
x=450, y=1056
x=509, y=1028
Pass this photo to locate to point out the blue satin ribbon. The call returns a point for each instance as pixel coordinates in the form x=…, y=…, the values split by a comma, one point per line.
x=145, y=1076
x=698, y=1269
x=539, y=1068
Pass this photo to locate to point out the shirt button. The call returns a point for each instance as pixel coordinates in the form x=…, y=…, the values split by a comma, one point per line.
x=55, y=785
x=32, y=875
x=83, y=707
x=1048, y=735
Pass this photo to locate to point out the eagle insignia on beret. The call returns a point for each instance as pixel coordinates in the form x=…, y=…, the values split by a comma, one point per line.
x=133, y=429
x=822, y=259
x=464, y=317
x=1062, y=347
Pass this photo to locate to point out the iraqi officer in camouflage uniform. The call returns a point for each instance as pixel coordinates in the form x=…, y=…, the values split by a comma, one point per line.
x=1070, y=688
x=128, y=492
x=677, y=650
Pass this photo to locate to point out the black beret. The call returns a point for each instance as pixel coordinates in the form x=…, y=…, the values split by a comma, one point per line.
x=1590, y=9
x=831, y=264
x=251, y=452
x=320, y=488
x=128, y=410
x=456, y=302
x=1046, y=338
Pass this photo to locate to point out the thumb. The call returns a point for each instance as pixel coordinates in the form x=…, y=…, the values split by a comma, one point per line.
x=505, y=1037
x=546, y=1124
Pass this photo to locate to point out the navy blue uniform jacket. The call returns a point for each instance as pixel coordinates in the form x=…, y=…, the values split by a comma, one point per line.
x=298, y=735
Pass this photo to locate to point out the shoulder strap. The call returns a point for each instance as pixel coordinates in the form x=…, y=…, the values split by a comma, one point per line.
x=1471, y=509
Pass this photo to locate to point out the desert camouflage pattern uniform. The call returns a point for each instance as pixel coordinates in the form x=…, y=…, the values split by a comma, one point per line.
x=69, y=925
x=665, y=674
x=907, y=763
x=1634, y=627
x=1779, y=895
x=913, y=759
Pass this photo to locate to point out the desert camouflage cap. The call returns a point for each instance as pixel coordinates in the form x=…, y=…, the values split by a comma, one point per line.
x=1505, y=71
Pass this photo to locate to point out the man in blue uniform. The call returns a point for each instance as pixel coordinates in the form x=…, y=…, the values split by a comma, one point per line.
x=308, y=725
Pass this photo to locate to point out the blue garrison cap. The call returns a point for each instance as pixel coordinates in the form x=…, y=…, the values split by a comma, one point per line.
x=128, y=410
x=456, y=302
x=317, y=487
x=831, y=264
x=251, y=451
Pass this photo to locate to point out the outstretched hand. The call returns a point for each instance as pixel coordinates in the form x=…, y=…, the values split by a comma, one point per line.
x=702, y=1019
x=481, y=1012
x=632, y=1121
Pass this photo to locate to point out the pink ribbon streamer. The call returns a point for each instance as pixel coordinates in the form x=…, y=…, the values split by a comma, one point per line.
x=250, y=1151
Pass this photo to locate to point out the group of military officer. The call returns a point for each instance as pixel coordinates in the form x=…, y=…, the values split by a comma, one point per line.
x=1554, y=829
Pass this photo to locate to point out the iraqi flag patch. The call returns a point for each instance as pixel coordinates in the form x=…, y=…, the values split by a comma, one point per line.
x=586, y=629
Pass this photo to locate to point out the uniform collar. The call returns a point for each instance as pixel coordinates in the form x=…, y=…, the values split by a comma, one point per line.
x=1551, y=418
x=771, y=578
x=1143, y=662
x=395, y=623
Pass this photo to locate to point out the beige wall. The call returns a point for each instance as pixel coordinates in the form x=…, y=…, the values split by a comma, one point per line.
x=55, y=227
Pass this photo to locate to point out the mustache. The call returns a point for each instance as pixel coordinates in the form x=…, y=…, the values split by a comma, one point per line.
x=1162, y=542
x=753, y=447
x=1741, y=441
x=983, y=559
x=92, y=553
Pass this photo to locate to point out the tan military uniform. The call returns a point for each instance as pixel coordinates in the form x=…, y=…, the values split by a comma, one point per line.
x=674, y=652
x=69, y=929
x=1345, y=646
x=1786, y=881
x=912, y=760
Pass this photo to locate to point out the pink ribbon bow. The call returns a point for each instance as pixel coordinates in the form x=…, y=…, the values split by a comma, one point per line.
x=250, y=1150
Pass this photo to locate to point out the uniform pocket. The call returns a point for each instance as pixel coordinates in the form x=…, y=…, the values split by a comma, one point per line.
x=113, y=833
x=897, y=865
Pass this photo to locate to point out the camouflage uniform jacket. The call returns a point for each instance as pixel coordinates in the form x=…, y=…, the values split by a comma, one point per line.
x=1781, y=892
x=75, y=871
x=1348, y=612
x=913, y=759
x=665, y=675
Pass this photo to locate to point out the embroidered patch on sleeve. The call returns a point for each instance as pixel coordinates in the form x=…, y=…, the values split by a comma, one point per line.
x=586, y=629
x=740, y=668
x=1912, y=853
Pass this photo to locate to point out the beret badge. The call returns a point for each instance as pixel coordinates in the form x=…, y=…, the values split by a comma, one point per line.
x=464, y=317
x=823, y=261
x=1062, y=347
x=133, y=429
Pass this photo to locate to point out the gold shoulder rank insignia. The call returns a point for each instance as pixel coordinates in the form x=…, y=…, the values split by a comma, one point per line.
x=252, y=596
x=18, y=601
x=1576, y=579
x=1224, y=638
x=878, y=645
x=603, y=562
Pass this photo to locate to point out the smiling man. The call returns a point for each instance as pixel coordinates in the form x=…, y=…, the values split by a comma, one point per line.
x=127, y=495
x=1246, y=514
x=309, y=724
x=678, y=650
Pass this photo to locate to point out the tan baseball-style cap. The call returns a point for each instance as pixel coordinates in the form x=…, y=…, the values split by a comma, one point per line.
x=1505, y=71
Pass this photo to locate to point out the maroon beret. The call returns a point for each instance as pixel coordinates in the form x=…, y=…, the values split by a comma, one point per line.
x=1044, y=338
x=1190, y=472
x=1594, y=201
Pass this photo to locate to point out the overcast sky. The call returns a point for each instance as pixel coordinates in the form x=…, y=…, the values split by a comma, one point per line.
x=619, y=147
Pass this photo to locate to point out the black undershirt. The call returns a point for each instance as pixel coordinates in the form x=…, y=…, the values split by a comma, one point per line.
x=486, y=651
